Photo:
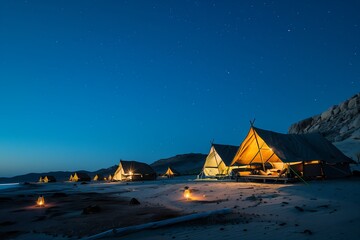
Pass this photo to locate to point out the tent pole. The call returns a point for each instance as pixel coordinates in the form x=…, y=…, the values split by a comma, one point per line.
x=297, y=175
x=217, y=164
x=257, y=143
x=270, y=157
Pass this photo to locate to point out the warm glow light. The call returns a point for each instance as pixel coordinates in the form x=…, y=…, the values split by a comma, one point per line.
x=130, y=173
x=41, y=201
x=187, y=194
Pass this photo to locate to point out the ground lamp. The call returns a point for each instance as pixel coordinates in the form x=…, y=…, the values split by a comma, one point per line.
x=40, y=201
x=187, y=193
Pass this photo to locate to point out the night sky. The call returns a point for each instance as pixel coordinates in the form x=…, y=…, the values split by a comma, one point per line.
x=84, y=84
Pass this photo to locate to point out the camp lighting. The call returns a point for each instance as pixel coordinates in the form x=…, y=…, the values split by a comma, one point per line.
x=187, y=193
x=40, y=201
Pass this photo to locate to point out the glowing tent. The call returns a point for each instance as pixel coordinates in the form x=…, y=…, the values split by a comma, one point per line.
x=296, y=155
x=71, y=178
x=132, y=170
x=170, y=172
x=98, y=177
x=81, y=177
x=217, y=163
x=47, y=179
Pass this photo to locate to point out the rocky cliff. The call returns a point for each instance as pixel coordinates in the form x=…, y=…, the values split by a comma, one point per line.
x=340, y=124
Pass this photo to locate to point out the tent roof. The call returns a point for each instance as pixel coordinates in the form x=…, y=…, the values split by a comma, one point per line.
x=173, y=170
x=136, y=167
x=301, y=147
x=226, y=152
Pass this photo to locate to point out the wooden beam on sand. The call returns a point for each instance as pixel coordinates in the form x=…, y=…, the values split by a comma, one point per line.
x=157, y=224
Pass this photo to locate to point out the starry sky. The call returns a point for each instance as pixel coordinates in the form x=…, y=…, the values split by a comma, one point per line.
x=84, y=84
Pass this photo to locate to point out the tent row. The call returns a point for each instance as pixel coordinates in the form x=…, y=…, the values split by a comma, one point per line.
x=83, y=177
x=126, y=171
x=275, y=155
x=47, y=179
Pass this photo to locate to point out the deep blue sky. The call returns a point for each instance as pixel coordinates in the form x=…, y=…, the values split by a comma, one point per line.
x=84, y=84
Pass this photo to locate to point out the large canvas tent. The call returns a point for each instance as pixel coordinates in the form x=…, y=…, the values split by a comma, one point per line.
x=297, y=155
x=133, y=170
x=218, y=161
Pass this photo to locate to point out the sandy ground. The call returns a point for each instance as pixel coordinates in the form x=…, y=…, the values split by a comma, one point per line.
x=318, y=210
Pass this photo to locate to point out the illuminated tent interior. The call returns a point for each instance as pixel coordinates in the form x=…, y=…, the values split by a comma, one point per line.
x=170, y=172
x=298, y=155
x=133, y=170
x=218, y=160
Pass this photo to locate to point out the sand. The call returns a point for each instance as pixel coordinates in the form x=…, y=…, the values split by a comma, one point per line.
x=317, y=210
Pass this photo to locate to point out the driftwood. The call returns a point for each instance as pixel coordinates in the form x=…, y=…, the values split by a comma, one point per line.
x=158, y=224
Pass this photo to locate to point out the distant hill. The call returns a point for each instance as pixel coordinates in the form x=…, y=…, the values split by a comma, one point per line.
x=340, y=124
x=185, y=164
x=59, y=175
x=105, y=171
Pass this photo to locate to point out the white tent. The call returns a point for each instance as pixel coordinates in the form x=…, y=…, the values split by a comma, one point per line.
x=217, y=163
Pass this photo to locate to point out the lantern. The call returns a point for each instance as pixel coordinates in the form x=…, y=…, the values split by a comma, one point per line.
x=40, y=201
x=187, y=193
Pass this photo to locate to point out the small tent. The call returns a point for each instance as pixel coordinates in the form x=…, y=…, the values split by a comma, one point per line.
x=300, y=155
x=217, y=163
x=98, y=177
x=47, y=179
x=133, y=170
x=170, y=172
x=71, y=178
x=81, y=177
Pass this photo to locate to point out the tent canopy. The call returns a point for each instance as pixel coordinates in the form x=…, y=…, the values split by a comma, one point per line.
x=226, y=152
